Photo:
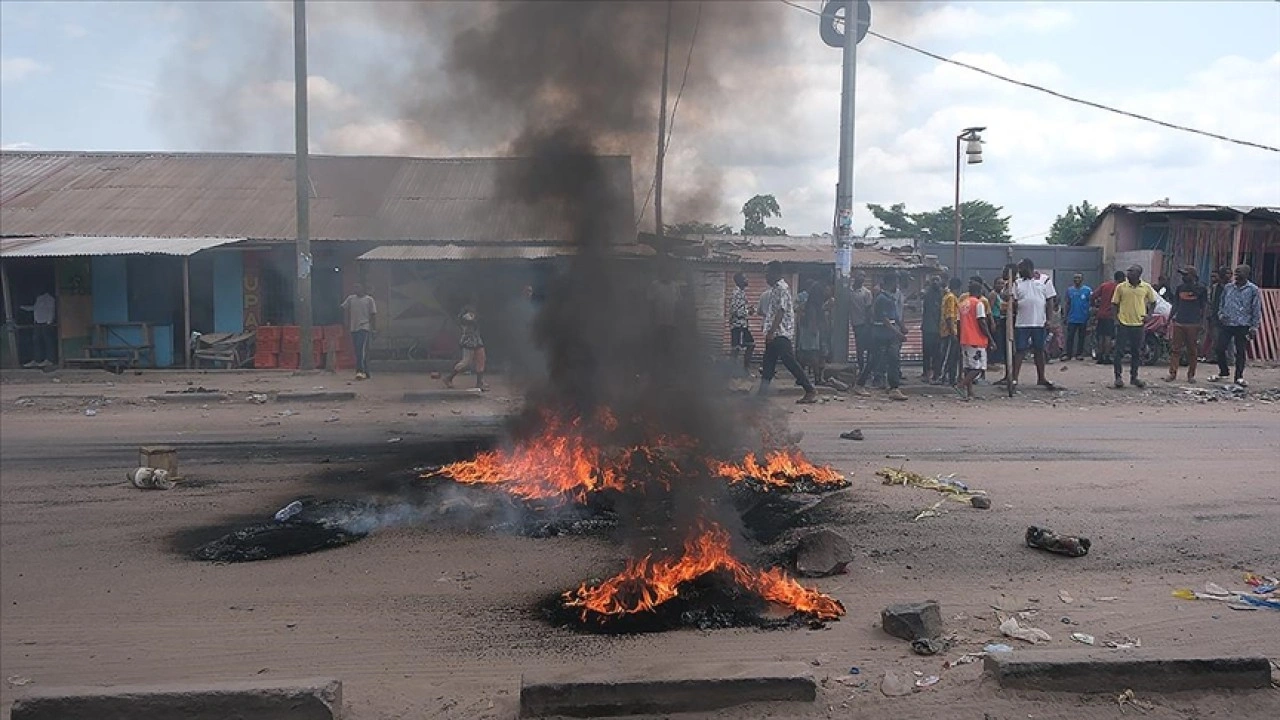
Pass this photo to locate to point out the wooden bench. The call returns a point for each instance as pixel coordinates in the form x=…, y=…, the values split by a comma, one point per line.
x=111, y=350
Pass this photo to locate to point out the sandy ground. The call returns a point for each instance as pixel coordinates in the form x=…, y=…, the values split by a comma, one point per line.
x=1174, y=490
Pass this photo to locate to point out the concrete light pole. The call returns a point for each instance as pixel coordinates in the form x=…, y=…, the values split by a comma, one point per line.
x=302, y=182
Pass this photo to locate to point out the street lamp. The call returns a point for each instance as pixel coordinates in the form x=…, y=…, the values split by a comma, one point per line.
x=973, y=150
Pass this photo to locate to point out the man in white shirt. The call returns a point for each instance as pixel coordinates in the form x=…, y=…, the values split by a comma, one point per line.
x=44, y=339
x=1033, y=300
x=362, y=314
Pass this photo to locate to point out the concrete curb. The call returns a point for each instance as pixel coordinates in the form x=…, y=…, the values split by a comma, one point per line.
x=316, y=396
x=1116, y=671
x=189, y=398
x=439, y=395
x=308, y=699
x=665, y=690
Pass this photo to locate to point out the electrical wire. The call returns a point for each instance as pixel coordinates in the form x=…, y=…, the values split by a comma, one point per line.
x=671, y=122
x=1038, y=88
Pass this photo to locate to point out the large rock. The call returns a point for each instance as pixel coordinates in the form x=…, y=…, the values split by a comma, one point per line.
x=822, y=553
x=913, y=621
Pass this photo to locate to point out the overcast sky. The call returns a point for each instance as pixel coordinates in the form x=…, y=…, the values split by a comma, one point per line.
x=100, y=76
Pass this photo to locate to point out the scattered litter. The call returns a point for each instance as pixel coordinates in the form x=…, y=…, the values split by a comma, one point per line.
x=393, y=440
x=1213, y=591
x=24, y=402
x=288, y=511
x=1012, y=629
x=933, y=510
x=1261, y=585
x=1241, y=606
x=287, y=413
x=332, y=418
x=148, y=478
x=855, y=670
x=1065, y=597
x=1082, y=638
x=926, y=646
x=895, y=685
x=967, y=658
x=18, y=680
x=1126, y=644
x=258, y=398
x=895, y=456
x=1067, y=621
x=925, y=682
x=1046, y=539
x=854, y=434
x=1106, y=598
x=997, y=648
x=1128, y=698
x=981, y=502
x=90, y=412
x=943, y=484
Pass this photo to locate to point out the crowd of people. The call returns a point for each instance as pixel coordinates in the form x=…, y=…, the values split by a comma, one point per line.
x=963, y=326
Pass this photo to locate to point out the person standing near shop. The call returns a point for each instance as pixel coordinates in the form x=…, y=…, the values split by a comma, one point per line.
x=362, y=314
x=1132, y=300
x=1240, y=315
x=1189, y=301
x=44, y=338
x=1079, y=296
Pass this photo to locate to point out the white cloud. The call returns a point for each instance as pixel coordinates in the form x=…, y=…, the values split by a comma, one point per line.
x=73, y=31
x=968, y=21
x=18, y=146
x=322, y=95
x=17, y=69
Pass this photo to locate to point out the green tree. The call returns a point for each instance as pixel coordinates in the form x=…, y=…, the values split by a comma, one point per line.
x=1069, y=227
x=981, y=222
x=698, y=227
x=754, y=213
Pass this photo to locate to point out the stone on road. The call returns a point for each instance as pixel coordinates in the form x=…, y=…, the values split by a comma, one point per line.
x=822, y=553
x=912, y=621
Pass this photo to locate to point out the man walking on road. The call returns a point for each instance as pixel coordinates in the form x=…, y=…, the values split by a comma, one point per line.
x=1189, y=300
x=886, y=356
x=1078, y=304
x=362, y=312
x=780, y=329
x=1032, y=298
x=1132, y=299
x=1241, y=315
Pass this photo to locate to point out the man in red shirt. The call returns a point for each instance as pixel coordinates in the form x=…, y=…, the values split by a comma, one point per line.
x=975, y=337
x=1105, y=333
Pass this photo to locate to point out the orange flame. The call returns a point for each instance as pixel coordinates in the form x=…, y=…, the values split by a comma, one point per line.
x=647, y=583
x=781, y=468
x=559, y=463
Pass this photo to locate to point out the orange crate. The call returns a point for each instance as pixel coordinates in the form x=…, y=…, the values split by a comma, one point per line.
x=291, y=332
x=290, y=361
x=268, y=344
x=268, y=332
x=266, y=360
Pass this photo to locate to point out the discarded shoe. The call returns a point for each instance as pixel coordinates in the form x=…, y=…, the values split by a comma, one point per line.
x=855, y=434
x=1046, y=539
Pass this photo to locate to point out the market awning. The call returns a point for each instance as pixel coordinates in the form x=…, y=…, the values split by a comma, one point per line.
x=83, y=245
x=488, y=252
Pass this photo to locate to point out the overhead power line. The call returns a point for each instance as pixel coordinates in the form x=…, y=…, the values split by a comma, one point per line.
x=1038, y=88
x=671, y=122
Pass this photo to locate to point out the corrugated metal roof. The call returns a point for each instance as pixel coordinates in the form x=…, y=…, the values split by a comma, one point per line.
x=395, y=199
x=483, y=252
x=75, y=245
x=866, y=258
x=1178, y=209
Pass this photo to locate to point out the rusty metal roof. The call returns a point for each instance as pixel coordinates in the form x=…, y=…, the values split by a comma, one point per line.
x=864, y=257
x=484, y=252
x=74, y=245
x=398, y=199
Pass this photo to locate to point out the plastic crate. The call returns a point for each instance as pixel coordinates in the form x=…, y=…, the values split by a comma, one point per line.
x=289, y=361
x=267, y=332
x=267, y=344
x=266, y=360
x=290, y=345
x=291, y=332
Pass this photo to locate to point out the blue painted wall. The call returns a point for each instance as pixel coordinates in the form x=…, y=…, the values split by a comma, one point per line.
x=110, y=281
x=228, y=292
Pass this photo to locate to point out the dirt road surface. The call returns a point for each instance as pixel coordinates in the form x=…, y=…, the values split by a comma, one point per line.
x=1175, y=489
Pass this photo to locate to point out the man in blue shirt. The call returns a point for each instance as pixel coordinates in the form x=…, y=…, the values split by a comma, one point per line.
x=1240, y=313
x=1077, y=312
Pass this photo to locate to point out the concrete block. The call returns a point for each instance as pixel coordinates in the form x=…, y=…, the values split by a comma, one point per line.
x=1116, y=671
x=190, y=398
x=444, y=395
x=310, y=699
x=822, y=553
x=912, y=621
x=316, y=396
x=668, y=689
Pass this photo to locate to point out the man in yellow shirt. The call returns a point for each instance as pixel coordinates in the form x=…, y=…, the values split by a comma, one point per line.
x=1133, y=300
x=949, y=332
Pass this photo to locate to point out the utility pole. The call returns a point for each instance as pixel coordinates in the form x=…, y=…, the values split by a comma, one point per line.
x=662, y=135
x=856, y=21
x=302, y=182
